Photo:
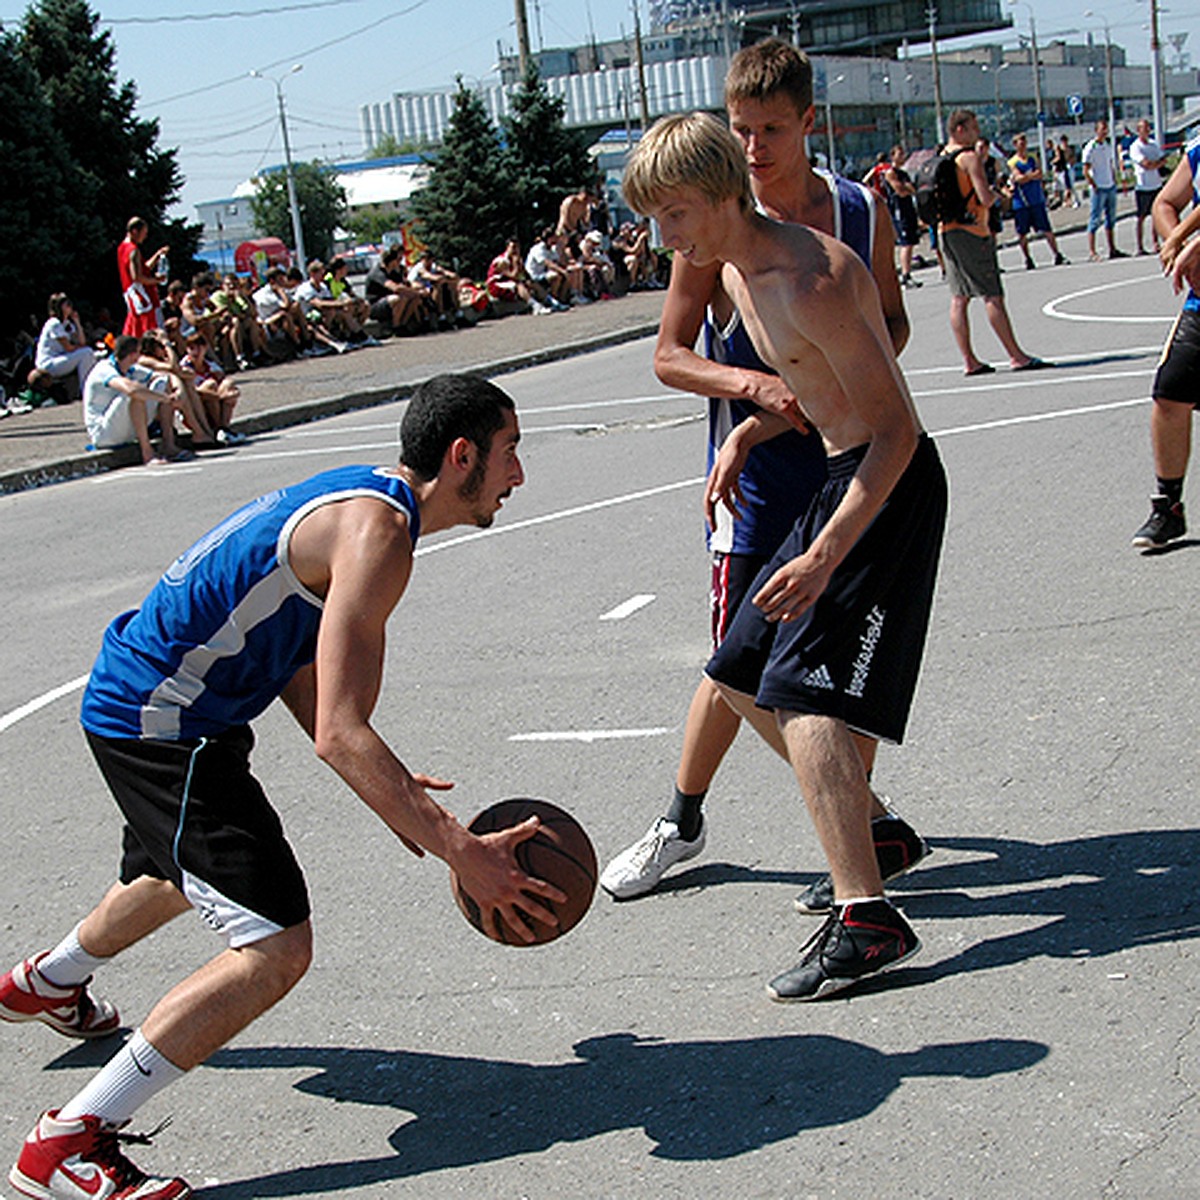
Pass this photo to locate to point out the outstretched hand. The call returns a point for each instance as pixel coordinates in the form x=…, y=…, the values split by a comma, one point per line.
x=488, y=872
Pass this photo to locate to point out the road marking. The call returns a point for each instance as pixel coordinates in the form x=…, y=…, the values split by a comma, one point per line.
x=49, y=697
x=18, y=714
x=588, y=735
x=627, y=608
x=1050, y=308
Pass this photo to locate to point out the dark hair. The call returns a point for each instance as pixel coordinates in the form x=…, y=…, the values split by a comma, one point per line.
x=959, y=117
x=448, y=407
x=275, y=273
x=295, y=275
x=204, y=279
x=58, y=301
x=336, y=264
x=125, y=345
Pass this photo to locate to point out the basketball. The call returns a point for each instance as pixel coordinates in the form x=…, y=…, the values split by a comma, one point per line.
x=560, y=852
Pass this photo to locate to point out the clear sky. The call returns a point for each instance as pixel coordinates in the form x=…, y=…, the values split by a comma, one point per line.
x=191, y=62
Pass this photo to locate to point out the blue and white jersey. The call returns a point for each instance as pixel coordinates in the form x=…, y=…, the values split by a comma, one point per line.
x=224, y=630
x=782, y=475
x=1192, y=303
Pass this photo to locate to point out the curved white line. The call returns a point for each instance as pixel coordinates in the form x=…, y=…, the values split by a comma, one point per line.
x=49, y=697
x=1050, y=308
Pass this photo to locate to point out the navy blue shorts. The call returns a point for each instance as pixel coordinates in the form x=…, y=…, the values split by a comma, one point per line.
x=854, y=654
x=1178, y=374
x=1032, y=216
x=732, y=575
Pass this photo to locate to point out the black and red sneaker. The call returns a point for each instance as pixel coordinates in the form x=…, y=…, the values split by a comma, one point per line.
x=858, y=939
x=1164, y=525
x=82, y=1160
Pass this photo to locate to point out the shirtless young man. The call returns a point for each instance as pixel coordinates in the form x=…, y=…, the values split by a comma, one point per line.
x=768, y=94
x=826, y=654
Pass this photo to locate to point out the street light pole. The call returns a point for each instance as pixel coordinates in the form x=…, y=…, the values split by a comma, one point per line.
x=1037, y=85
x=293, y=204
x=1156, y=83
x=829, y=120
x=932, y=13
x=1108, y=74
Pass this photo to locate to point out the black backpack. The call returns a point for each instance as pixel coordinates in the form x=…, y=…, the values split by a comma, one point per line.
x=938, y=195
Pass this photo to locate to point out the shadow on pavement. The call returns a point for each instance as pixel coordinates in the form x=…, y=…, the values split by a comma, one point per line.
x=695, y=1100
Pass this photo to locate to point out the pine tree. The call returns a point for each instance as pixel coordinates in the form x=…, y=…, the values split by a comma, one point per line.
x=546, y=160
x=465, y=211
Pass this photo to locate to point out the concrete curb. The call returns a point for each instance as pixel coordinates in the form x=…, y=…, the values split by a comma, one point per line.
x=94, y=462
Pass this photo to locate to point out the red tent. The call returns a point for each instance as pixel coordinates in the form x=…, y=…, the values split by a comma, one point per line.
x=254, y=257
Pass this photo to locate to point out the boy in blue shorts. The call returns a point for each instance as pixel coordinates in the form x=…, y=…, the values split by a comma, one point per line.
x=1029, y=201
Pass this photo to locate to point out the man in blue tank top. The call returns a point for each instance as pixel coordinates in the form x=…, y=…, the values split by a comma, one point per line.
x=769, y=97
x=287, y=598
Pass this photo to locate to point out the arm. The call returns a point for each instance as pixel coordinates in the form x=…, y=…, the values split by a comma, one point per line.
x=360, y=551
x=723, y=485
x=678, y=365
x=973, y=165
x=883, y=269
x=1175, y=231
x=836, y=319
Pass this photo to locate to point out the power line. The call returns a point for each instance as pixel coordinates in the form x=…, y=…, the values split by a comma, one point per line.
x=227, y=16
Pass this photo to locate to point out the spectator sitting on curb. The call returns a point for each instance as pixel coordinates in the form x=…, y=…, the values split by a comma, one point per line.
x=62, y=345
x=440, y=284
x=246, y=332
x=120, y=399
x=157, y=355
x=218, y=393
x=598, y=264
x=507, y=280
x=542, y=266
x=273, y=304
x=323, y=312
x=396, y=305
x=202, y=315
x=339, y=287
x=171, y=311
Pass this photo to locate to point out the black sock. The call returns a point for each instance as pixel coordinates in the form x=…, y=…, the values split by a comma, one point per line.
x=1172, y=489
x=685, y=812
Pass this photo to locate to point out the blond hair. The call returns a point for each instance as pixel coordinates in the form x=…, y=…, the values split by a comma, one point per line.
x=692, y=150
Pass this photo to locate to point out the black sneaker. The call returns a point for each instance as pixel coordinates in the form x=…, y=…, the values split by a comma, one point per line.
x=1164, y=525
x=1061, y=261
x=898, y=848
x=859, y=939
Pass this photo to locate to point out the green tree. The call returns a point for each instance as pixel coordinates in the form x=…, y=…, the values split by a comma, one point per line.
x=371, y=225
x=465, y=210
x=117, y=169
x=41, y=229
x=545, y=159
x=319, y=196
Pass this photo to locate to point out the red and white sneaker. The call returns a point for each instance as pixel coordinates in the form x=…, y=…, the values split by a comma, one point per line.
x=82, y=1160
x=27, y=995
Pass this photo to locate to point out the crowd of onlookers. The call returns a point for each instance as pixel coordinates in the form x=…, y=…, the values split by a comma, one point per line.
x=172, y=367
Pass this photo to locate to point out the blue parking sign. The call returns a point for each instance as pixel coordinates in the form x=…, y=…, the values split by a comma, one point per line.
x=1075, y=105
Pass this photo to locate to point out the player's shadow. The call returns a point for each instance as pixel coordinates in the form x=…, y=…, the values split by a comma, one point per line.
x=696, y=1100
x=1182, y=544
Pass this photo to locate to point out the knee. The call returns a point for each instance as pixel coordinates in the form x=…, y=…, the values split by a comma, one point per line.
x=284, y=958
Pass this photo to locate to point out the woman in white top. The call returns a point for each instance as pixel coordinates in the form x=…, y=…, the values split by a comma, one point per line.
x=62, y=346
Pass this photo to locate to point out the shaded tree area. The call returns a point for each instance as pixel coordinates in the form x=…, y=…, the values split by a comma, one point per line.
x=319, y=197
x=546, y=160
x=487, y=183
x=82, y=163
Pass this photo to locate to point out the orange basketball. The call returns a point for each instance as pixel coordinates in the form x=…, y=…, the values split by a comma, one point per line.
x=560, y=853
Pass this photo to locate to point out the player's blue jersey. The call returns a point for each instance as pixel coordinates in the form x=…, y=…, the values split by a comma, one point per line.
x=781, y=475
x=1192, y=303
x=224, y=630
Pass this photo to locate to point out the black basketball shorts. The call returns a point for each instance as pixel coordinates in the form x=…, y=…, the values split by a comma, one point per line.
x=855, y=653
x=197, y=817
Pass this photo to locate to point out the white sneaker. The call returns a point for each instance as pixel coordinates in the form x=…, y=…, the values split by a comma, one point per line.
x=637, y=870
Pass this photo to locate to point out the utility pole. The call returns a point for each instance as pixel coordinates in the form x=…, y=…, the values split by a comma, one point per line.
x=1156, y=83
x=293, y=204
x=522, y=37
x=641, y=67
x=932, y=13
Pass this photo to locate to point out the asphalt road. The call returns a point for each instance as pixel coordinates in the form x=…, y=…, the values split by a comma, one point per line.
x=1043, y=1043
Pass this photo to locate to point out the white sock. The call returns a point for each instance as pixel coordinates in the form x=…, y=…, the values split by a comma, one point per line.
x=133, y=1075
x=69, y=963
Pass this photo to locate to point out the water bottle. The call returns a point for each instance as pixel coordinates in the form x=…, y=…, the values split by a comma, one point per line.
x=163, y=270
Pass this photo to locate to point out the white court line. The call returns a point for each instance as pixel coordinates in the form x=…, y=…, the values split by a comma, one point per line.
x=588, y=735
x=49, y=697
x=1050, y=308
x=17, y=714
x=628, y=607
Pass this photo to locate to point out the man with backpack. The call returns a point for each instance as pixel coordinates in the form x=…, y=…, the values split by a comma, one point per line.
x=963, y=199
